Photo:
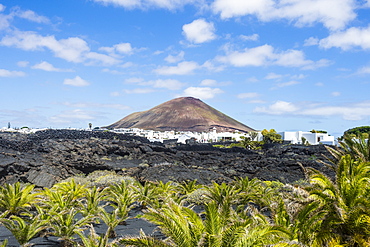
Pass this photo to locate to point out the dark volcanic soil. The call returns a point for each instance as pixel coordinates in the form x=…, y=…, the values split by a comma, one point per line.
x=47, y=157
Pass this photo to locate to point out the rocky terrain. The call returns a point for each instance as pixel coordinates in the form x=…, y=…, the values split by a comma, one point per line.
x=47, y=157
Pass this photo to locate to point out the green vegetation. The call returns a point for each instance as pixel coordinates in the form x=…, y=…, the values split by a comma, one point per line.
x=319, y=131
x=358, y=132
x=320, y=211
x=270, y=136
x=251, y=141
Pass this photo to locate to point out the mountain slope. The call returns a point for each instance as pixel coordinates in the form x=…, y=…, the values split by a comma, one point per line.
x=181, y=114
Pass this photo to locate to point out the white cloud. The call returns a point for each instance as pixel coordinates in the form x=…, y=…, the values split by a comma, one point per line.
x=73, y=116
x=4, y=21
x=333, y=14
x=139, y=91
x=183, y=68
x=212, y=67
x=278, y=108
x=266, y=55
x=112, y=71
x=77, y=82
x=318, y=64
x=199, y=31
x=114, y=94
x=30, y=15
x=202, y=92
x=273, y=76
x=208, y=82
x=175, y=59
x=257, y=56
x=122, y=48
x=134, y=80
x=101, y=59
x=235, y=8
x=48, y=67
x=23, y=64
x=364, y=70
x=335, y=94
x=72, y=49
x=96, y=105
x=169, y=84
x=311, y=41
x=144, y=4
x=248, y=95
x=8, y=73
x=252, y=79
x=348, y=39
x=298, y=77
x=292, y=58
x=353, y=112
x=253, y=37
x=285, y=84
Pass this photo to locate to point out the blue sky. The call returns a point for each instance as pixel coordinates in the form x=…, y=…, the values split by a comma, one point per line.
x=288, y=64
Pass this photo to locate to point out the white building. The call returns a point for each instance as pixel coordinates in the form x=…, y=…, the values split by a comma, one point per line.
x=311, y=138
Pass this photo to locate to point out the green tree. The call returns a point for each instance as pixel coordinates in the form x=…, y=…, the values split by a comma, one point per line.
x=357, y=131
x=271, y=136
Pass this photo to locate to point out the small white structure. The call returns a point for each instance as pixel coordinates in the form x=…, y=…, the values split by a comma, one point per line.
x=312, y=138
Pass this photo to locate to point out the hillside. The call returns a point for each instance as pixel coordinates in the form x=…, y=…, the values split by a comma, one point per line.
x=181, y=114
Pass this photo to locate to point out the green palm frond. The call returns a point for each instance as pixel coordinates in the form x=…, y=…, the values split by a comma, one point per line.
x=143, y=241
x=93, y=239
x=4, y=243
x=17, y=198
x=22, y=229
x=66, y=224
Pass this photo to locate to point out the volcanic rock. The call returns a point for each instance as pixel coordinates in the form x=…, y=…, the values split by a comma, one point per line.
x=51, y=156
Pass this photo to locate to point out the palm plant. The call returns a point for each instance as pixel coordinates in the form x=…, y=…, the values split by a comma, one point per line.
x=24, y=230
x=166, y=190
x=253, y=190
x=224, y=195
x=17, y=198
x=91, y=202
x=122, y=198
x=56, y=201
x=358, y=148
x=94, y=240
x=187, y=187
x=338, y=210
x=4, y=243
x=146, y=195
x=65, y=195
x=112, y=220
x=66, y=225
x=183, y=227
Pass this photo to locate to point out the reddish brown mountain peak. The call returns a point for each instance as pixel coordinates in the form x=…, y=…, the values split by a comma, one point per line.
x=181, y=114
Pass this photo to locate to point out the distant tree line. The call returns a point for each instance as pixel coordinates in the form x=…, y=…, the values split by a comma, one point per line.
x=358, y=132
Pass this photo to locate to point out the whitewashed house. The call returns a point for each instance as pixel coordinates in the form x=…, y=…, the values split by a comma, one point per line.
x=295, y=137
